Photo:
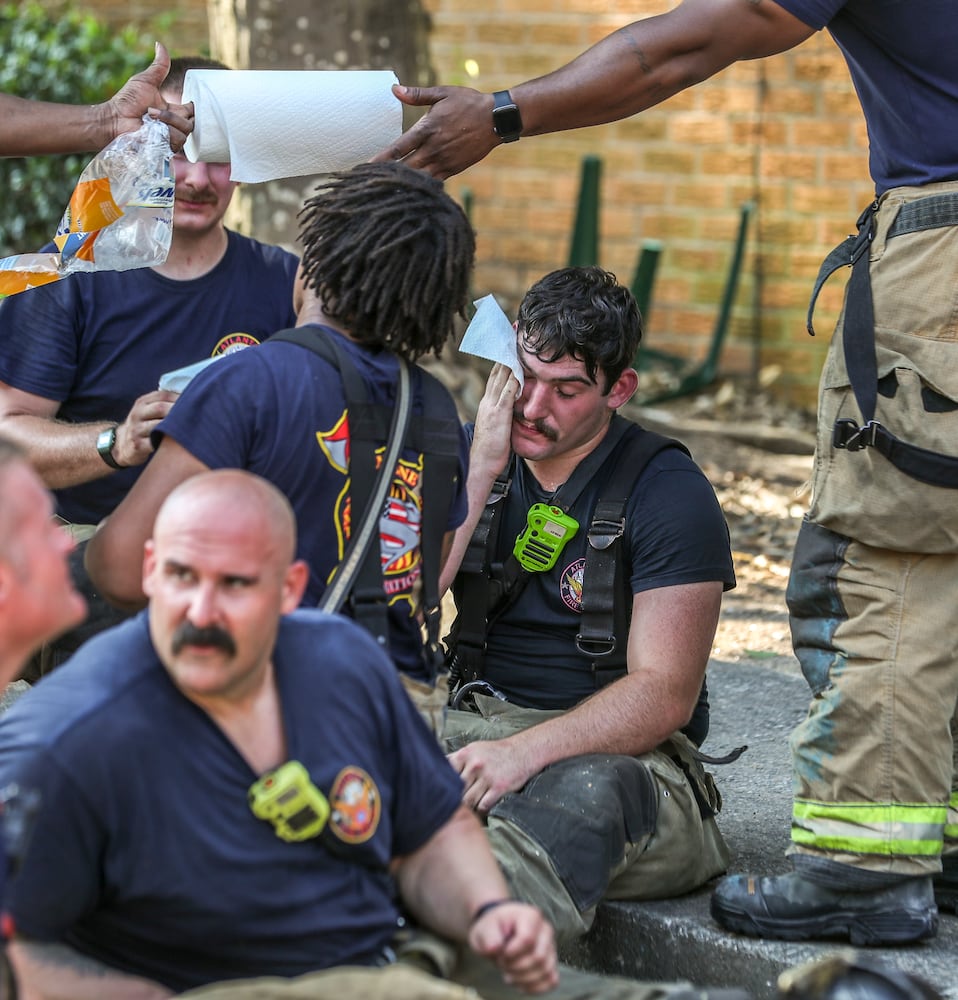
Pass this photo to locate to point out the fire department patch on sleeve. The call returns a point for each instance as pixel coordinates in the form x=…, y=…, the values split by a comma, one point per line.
x=354, y=806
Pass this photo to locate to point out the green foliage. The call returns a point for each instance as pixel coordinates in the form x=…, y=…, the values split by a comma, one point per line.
x=58, y=55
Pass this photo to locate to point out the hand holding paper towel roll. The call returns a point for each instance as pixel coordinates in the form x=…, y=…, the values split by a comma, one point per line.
x=287, y=123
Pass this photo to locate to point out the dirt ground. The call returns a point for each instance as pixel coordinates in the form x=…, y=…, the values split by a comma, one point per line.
x=757, y=453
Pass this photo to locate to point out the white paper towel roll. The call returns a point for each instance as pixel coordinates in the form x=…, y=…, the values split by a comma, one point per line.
x=287, y=123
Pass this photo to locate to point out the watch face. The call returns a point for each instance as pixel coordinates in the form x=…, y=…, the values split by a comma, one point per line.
x=104, y=445
x=506, y=120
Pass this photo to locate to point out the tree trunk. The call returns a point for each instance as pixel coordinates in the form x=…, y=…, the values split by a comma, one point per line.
x=305, y=34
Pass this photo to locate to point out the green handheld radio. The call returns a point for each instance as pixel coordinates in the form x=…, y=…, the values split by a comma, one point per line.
x=289, y=800
x=544, y=537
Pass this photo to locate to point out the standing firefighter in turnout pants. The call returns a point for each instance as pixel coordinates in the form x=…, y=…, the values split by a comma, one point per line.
x=875, y=571
x=876, y=566
x=588, y=770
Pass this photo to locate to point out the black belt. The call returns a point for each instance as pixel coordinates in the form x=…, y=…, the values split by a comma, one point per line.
x=933, y=212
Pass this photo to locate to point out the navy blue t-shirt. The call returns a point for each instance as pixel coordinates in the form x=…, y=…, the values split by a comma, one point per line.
x=145, y=854
x=96, y=342
x=901, y=58
x=675, y=534
x=279, y=411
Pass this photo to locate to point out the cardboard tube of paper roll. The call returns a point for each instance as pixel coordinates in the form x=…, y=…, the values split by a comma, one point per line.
x=289, y=123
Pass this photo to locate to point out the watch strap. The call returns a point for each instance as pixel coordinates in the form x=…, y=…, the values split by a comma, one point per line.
x=104, y=446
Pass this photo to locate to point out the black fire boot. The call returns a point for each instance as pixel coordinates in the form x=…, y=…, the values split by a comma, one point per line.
x=794, y=908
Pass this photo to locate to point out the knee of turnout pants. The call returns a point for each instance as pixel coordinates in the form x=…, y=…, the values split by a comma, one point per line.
x=874, y=760
x=603, y=826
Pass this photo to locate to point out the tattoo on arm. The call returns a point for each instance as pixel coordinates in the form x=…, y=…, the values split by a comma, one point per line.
x=631, y=42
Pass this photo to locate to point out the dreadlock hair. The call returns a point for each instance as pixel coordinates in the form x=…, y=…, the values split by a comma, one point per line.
x=584, y=313
x=390, y=255
x=177, y=75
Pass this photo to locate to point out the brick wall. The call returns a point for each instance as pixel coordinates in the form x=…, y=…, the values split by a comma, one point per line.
x=182, y=26
x=785, y=132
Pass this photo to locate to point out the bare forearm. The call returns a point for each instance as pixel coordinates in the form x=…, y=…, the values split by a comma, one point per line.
x=64, y=454
x=488, y=457
x=650, y=60
x=114, y=555
x=626, y=717
x=446, y=881
x=478, y=486
x=670, y=638
x=57, y=972
x=30, y=128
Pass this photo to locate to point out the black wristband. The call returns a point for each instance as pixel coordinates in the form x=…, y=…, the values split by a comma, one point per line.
x=486, y=907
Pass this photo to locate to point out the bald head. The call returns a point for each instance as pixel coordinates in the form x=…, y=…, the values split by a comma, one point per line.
x=223, y=500
x=219, y=572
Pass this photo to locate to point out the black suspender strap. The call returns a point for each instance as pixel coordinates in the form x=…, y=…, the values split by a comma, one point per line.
x=487, y=590
x=434, y=434
x=606, y=615
x=359, y=574
x=439, y=448
x=919, y=463
x=478, y=586
x=514, y=577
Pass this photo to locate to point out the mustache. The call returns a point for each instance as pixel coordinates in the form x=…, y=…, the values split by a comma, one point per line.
x=212, y=635
x=540, y=425
x=197, y=197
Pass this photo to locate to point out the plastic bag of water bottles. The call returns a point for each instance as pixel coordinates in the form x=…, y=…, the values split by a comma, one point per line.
x=120, y=214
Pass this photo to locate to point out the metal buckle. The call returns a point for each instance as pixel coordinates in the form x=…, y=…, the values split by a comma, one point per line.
x=500, y=490
x=472, y=688
x=847, y=434
x=866, y=232
x=602, y=533
x=596, y=646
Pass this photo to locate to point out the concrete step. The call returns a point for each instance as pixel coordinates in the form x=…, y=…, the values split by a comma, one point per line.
x=677, y=939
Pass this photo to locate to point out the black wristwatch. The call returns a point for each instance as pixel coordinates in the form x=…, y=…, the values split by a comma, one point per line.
x=105, y=441
x=506, y=120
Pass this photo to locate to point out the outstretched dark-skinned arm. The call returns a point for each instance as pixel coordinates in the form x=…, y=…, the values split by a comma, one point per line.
x=630, y=70
x=32, y=128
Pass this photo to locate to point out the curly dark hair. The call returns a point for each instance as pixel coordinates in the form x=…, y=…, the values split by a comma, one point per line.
x=584, y=313
x=390, y=256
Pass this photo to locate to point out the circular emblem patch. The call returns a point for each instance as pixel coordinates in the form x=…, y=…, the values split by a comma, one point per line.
x=570, y=585
x=354, y=806
x=234, y=342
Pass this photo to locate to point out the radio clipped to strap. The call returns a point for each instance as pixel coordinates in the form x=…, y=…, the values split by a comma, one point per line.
x=548, y=530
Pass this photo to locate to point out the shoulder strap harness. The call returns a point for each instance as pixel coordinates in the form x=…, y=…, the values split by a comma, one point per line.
x=486, y=586
x=859, y=340
x=435, y=434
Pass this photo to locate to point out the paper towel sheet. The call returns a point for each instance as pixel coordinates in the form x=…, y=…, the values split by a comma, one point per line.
x=286, y=123
x=490, y=335
x=178, y=379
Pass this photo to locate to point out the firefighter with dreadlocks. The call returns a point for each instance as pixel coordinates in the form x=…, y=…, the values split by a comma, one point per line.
x=385, y=271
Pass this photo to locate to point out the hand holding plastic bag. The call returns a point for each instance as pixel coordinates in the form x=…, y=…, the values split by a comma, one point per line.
x=120, y=214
